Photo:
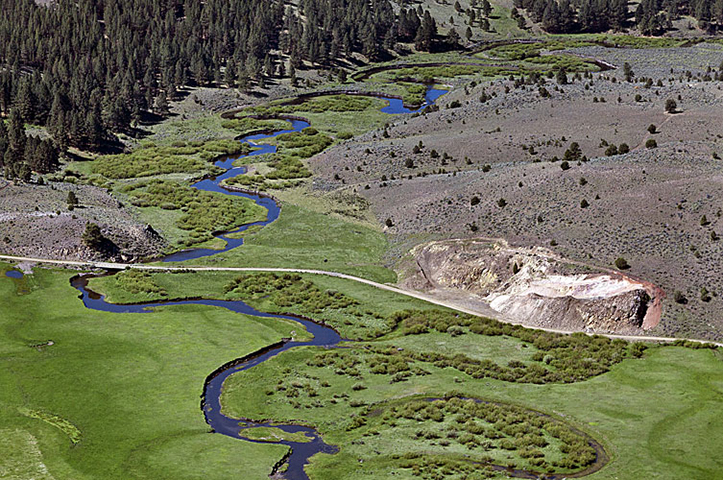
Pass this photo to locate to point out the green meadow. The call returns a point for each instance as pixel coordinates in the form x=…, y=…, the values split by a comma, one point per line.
x=117, y=395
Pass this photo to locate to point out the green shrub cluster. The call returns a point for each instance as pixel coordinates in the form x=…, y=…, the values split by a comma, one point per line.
x=567, y=63
x=292, y=293
x=287, y=162
x=245, y=125
x=434, y=467
x=531, y=53
x=287, y=290
x=532, y=440
x=294, y=386
x=330, y=103
x=413, y=93
x=517, y=51
x=204, y=212
x=631, y=41
x=447, y=71
x=304, y=144
x=137, y=281
x=259, y=182
x=559, y=359
x=182, y=157
x=341, y=363
x=287, y=168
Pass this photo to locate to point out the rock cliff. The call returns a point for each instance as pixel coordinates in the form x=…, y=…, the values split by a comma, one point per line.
x=534, y=287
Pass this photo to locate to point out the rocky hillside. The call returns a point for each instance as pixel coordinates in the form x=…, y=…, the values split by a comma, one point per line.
x=35, y=221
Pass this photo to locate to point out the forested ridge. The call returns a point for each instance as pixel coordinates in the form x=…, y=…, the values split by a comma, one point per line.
x=650, y=17
x=89, y=68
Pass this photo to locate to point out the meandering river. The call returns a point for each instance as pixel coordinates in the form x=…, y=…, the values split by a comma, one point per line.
x=323, y=335
x=395, y=107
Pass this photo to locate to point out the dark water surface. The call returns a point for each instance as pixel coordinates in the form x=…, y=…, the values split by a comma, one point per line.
x=214, y=185
x=395, y=107
x=14, y=274
x=323, y=336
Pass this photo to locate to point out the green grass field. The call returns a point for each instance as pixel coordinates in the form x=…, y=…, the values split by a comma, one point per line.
x=365, y=318
x=657, y=417
x=302, y=238
x=116, y=395
x=187, y=216
x=87, y=395
x=126, y=387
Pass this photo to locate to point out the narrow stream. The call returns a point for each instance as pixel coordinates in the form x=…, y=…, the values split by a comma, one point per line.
x=323, y=336
x=214, y=185
x=395, y=107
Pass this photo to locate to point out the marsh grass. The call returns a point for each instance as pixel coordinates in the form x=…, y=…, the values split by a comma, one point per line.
x=200, y=213
x=182, y=157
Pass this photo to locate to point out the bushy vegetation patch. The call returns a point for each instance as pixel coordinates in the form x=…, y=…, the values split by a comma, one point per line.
x=287, y=290
x=449, y=71
x=259, y=182
x=413, y=93
x=304, y=144
x=138, y=281
x=484, y=432
x=531, y=53
x=569, y=63
x=182, y=157
x=330, y=103
x=203, y=213
x=291, y=293
x=287, y=163
x=246, y=125
x=632, y=41
x=560, y=358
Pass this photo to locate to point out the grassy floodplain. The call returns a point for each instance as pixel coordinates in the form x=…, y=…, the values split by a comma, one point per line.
x=117, y=395
x=304, y=238
x=650, y=413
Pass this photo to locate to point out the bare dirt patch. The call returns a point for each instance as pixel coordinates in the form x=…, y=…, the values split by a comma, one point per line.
x=534, y=287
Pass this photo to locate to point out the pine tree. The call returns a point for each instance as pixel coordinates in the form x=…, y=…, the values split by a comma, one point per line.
x=16, y=134
x=160, y=104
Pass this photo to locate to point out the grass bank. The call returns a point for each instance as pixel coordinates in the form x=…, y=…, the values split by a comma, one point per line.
x=302, y=238
x=116, y=396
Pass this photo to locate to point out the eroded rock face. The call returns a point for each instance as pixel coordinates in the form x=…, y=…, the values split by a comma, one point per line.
x=535, y=288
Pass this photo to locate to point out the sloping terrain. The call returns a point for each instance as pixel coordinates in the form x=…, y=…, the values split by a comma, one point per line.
x=494, y=168
x=35, y=221
x=533, y=287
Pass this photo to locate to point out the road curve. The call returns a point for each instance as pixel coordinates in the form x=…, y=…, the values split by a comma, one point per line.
x=381, y=286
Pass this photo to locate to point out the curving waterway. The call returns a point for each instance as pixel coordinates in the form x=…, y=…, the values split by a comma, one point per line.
x=396, y=107
x=323, y=335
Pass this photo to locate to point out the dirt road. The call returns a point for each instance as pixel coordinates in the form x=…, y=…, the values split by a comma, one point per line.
x=382, y=286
